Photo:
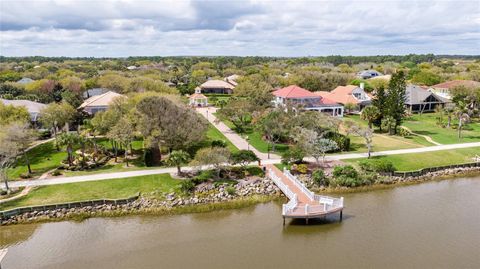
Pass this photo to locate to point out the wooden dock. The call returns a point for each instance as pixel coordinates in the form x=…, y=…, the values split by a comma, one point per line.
x=303, y=204
x=3, y=253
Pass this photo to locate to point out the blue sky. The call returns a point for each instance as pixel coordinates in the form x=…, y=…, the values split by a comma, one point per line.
x=257, y=27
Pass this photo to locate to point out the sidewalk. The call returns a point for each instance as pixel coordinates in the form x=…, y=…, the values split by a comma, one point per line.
x=236, y=139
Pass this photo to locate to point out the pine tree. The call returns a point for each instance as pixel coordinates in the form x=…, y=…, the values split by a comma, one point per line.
x=396, y=100
x=380, y=102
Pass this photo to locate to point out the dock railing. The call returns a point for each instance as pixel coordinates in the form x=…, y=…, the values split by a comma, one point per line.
x=327, y=202
x=299, y=184
x=290, y=206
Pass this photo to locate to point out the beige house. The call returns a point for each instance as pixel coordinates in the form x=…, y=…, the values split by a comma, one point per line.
x=98, y=103
x=217, y=86
x=443, y=89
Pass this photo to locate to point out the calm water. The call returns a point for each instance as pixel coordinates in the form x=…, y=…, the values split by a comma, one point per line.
x=432, y=225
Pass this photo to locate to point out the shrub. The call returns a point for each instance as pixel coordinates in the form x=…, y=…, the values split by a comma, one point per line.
x=342, y=141
x=56, y=172
x=218, y=143
x=293, y=155
x=44, y=134
x=302, y=168
x=148, y=157
x=255, y=171
x=187, y=186
x=347, y=176
x=230, y=190
x=25, y=175
x=404, y=132
x=377, y=165
x=204, y=176
x=243, y=157
x=319, y=178
x=346, y=170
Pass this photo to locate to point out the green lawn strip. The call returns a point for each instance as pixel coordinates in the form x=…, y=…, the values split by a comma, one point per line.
x=416, y=161
x=108, y=189
x=255, y=138
x=214, y=134
x=43, y=158
x=426, y=124
x=224, y=97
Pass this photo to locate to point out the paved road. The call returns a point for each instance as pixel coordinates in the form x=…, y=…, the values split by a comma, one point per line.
x=237, y=140
x=172, y=170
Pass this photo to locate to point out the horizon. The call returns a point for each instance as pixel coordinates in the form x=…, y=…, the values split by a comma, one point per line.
x=117, y=29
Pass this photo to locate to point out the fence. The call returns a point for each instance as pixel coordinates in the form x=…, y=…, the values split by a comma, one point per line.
x=425, y=171
x=21, y=210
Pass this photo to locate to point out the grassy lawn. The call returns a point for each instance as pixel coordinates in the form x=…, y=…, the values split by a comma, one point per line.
x=214, y=134
x=109, y=189
x=383, y=141
x=219, y=97
x=43, y=158
x=255, y=138
x=426, y=125
x=416, y=161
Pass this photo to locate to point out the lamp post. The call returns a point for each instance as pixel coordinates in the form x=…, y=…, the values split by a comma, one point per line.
x=248, y=142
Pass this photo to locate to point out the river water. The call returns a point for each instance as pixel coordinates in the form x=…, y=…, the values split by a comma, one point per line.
x=430, y=225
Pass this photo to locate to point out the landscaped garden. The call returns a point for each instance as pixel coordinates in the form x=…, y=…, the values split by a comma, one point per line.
x=153, y=185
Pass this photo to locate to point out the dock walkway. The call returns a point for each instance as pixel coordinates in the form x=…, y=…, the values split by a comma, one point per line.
x=303, y=203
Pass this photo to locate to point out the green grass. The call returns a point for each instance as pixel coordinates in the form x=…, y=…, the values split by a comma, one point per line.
x=214, y=134
x=425, y=124
x=43, y=158
x=109, y=189
x=383, y=141
x=255, y=138
x=225, y=97
x=416, y=161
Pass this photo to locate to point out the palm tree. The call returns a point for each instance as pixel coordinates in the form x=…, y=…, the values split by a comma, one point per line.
x=349, y=107
x=87, y=129
x=461, y=110
x=177, y=158
x=449, y=112
x=370, y=114
x=68, y=140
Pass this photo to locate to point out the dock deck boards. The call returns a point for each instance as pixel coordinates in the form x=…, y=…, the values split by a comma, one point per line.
x=315, y=208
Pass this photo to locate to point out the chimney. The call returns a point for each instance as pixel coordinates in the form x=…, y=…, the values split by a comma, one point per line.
x=362, y=85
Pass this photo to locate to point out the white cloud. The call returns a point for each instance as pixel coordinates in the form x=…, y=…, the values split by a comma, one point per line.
x=257, y=27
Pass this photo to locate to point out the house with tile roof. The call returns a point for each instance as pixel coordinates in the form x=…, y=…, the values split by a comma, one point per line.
x=350, y=94
x=99, y=103
x=419, y=99
x=443, y=89
x=217, y=86
x=32, y=107
x=307, y=100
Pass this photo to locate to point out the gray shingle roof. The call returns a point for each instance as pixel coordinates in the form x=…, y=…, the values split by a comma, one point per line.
x=417, y=95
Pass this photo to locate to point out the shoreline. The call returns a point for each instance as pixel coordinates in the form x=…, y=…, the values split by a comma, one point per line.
x=145, y=206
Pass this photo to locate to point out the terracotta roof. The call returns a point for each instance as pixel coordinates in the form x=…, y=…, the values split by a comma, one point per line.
x=455, y=83
x=341, y=94
x=100, y=100
x=197, y=96
x=215, y=83
x=293, y=91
